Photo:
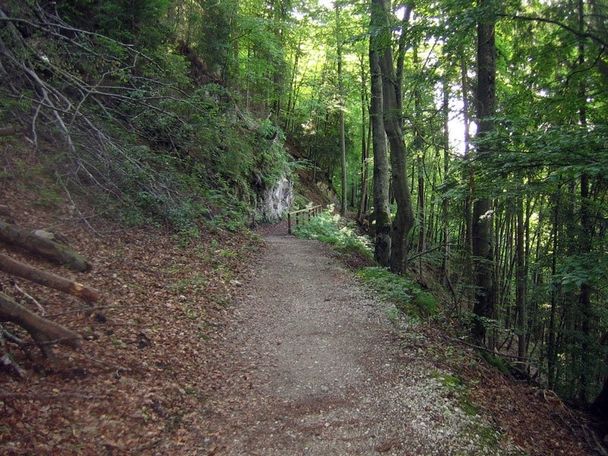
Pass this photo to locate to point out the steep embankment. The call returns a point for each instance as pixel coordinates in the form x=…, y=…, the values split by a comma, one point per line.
x=145, y=366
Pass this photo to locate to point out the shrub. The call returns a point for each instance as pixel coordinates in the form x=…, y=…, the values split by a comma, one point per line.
x=332, y=229
x=400, y=290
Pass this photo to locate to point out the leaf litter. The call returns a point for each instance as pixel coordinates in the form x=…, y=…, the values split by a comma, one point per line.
x=170, y=365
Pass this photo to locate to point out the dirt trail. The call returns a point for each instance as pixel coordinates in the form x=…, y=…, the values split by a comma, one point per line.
x=324, y=371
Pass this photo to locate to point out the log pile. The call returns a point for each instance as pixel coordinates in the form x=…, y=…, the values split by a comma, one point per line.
x=44, y=332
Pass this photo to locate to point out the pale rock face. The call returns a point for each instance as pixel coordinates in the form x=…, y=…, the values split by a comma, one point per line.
x=276, y=201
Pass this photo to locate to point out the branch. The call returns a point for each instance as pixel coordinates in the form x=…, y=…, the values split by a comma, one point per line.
x=32, y=299
x=546, y=20
x=44, y=332
x=47, y=248
x=9, y=131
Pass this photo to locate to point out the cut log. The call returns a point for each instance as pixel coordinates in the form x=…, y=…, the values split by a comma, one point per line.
x=9, y=131
x=44, y=247
x=44, y=332
x=48, y=279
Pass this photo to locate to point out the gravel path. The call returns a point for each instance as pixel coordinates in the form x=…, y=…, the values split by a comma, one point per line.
x=323, y=370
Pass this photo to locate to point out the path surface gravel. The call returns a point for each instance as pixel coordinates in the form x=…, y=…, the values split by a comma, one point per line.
x=324, y=371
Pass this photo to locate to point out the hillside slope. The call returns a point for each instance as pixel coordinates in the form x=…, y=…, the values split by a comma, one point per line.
x=149, y=352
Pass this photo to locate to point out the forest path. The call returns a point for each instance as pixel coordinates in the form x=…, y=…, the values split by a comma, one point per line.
x=322, y=370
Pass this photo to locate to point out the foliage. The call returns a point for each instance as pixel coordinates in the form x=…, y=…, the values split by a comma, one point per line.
x=402, y=291
x=334, y=230
x=140, y=137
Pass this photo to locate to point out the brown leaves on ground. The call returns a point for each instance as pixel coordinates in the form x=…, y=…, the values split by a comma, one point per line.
x=535, y=419
x=150, y=354
x=154, y=349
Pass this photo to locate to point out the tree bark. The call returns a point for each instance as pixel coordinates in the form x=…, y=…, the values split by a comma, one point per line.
x=420, y=150
x=468, y=176
x=44, y=247
x=586, y=236
x=382, y=215
x=47, y=279
x=520, y=286
x=362, y=209
x=343, y=201
x=404, y=218
x=482, y=208
x=445, y=264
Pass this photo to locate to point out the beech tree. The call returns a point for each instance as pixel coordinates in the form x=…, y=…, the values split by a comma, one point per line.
x=485, y=103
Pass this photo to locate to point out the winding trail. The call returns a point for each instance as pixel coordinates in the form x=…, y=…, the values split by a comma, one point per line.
x=324, y=371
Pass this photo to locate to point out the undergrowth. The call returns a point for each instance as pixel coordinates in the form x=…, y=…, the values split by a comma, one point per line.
x=129, y=128
x=405, y=293
x=400, y=290
x=332, y=229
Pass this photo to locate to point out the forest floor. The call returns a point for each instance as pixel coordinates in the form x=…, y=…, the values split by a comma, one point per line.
x=234, y=345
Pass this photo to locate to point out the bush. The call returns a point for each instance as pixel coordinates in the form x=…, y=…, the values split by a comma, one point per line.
x=403, y=292
x=332, y=229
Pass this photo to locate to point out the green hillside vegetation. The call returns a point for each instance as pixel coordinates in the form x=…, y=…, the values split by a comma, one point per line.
x=129, y=116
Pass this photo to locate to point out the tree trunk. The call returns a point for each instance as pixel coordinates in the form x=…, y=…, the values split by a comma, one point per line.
x=445, y=264
x=520, y=286
x=343, y=201
x=482, y=209
x=382, y=216
x=47, y=279
x=585, y=243
x=468, y=176
x=44, y=247
x=420, y=152
x=551, y=343
x=362, y=209
x=403, y=222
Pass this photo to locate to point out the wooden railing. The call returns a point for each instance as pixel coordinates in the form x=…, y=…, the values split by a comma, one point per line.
x=296, y=217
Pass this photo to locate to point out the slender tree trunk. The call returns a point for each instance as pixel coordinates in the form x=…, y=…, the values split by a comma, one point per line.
x=551, y=348
x=446, y=164
x=468, y=175
x=364, y=150
x=401, y=49
x=382, y=217
x=291, y=100
x=586, y=234
x=343, y=201
x=482, y=208
x=419, y=149
x=420, y=210
x=520, y=287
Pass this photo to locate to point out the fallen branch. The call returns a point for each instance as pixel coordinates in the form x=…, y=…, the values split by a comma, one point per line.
x=44, y=332
x=47, y=279
x=49, y=396
x=30, y=298
x=515, y=358
x=8, y=131
x=44, y=247
x=7, y=361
